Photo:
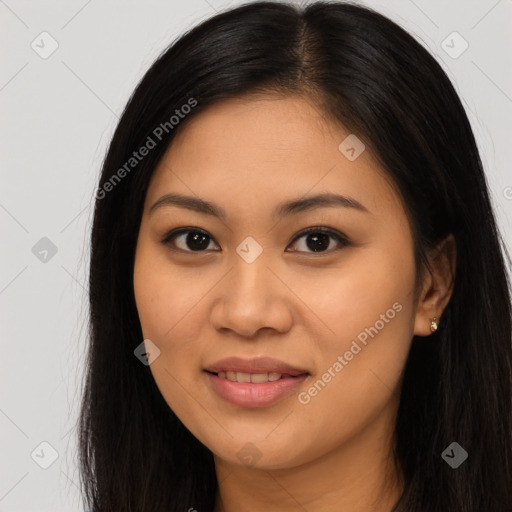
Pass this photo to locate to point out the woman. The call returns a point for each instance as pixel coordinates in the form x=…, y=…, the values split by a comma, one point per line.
x=298, y=290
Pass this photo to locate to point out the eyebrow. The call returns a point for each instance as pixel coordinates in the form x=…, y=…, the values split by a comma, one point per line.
x=284, y=209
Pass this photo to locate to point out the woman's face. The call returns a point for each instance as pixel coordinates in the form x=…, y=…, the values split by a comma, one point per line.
x=340, y=312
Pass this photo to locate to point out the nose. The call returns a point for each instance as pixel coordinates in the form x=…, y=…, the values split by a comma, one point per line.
x=252, y=297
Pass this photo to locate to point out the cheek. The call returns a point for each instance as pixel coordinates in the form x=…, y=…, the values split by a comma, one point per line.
x=365, y=285
x=165, y=298
x=368, y=307
x=165, y=301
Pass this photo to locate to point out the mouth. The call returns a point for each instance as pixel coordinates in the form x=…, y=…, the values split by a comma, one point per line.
x=234, y=368
x=254, y=378
x=258, y=382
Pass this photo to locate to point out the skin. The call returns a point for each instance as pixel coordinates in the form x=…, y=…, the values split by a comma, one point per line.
x=302, y=307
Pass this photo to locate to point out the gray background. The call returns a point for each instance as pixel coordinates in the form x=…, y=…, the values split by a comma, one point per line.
x=58, y=114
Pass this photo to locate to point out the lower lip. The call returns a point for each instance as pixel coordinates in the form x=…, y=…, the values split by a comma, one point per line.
x=247, y=394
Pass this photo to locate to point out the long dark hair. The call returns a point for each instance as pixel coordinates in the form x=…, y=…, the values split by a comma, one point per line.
x=368, y=74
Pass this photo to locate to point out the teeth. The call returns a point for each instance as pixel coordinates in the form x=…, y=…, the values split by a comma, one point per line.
x=256, y=378
x=259, y=378
x=243, y=377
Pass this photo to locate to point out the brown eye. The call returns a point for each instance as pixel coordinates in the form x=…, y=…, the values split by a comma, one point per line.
x=319, y=240
x=188, y=240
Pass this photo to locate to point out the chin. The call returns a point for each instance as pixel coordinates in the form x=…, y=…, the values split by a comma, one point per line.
x=259, y=454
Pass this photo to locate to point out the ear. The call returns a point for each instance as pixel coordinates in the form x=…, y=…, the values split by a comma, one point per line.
x=437, y=286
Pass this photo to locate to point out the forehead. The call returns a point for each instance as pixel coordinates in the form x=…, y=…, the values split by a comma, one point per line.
x=259, y=150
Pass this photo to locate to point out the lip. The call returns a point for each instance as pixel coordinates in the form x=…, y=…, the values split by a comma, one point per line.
x=254, y=365
x=252, y=395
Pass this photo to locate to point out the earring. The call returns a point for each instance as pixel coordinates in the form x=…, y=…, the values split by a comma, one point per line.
x=434, y=324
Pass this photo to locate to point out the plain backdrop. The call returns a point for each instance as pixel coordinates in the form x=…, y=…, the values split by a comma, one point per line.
x=58, y=111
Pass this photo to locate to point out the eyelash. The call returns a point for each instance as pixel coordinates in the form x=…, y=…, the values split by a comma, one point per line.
x=340, y=238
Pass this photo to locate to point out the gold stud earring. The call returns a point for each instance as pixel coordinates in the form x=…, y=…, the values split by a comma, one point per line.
x=434, y=324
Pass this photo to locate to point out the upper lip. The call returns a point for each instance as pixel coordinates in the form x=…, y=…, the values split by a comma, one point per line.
x=254, y=365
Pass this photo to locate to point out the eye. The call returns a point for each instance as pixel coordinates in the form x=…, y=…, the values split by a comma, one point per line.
x=318, y=239
x=191, y=239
